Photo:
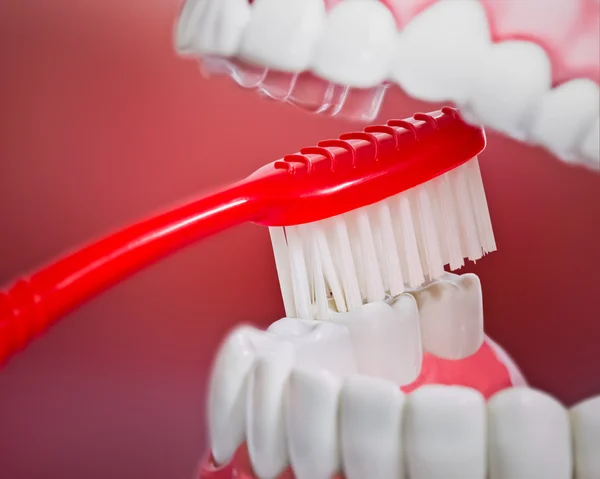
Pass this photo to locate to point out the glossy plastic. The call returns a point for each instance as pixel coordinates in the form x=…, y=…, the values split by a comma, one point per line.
x=484, y=371
x=334, y=177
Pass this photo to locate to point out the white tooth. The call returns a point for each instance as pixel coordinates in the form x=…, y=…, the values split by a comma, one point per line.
x=445, y=433
x=590, y=148
x=319, y=344
x=187, y=23
x=371, y=425
x=282, y=34
x=357, y=45
x=529, y=436
x=438, y=53
x=564, y=116
x=386, y=340
x=451, y=316
x=511, y=79
x=212, y=27
x=228, y=391
x=311, y=408
x=585, y=422
x=264, y=414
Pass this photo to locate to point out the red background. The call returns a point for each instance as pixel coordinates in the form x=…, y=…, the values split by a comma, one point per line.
x=102, y=124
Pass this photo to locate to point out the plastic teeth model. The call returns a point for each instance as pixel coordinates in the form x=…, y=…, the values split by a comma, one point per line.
x=387, y=390
x=536, y=81
x=368, y=394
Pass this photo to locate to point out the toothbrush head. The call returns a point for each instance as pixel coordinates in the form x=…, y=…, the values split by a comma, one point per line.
x=363, y=168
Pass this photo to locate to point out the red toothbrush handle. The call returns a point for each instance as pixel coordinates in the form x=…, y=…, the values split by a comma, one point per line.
x=32, y=305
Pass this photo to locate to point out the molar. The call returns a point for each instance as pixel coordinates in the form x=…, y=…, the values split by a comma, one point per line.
x=590, y=148
x=519, y=75
x=438, y=53
x=451, y=316
x=251, y=370
x=386, y=339
x=564, y=116
x=282, y=34
x=318, y=344
x=212, y=27
x=357, y=45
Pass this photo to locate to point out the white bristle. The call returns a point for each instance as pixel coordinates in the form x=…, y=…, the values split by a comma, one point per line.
x=306, y=240
x=282, y=263
x=328, y=266
x=345, y=261
x=440, y=225
x=357, y=253
x=373, y=215
x=415, y=211
x=406, y=240
x=469, y=236
x=390, y=252
x=364, y=255
x=480, y=206
x=373, y=280
x=455, y=258
x=435, y=262
x=298, y=268
x=319, y=289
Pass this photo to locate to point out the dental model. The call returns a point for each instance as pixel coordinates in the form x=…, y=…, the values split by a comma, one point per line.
x=322, y=397
x=381, y=369
x=527, y=68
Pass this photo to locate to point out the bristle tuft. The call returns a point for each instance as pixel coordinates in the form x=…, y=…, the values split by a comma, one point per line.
x=383, y=249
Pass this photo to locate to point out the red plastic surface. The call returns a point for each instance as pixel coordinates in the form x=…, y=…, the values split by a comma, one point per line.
x=483, y=371
x=320, y=182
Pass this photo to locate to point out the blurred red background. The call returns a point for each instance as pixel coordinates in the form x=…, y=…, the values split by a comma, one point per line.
x=102, y=124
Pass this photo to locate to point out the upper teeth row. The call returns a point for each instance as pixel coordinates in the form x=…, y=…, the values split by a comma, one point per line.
x=444, y=54
x=365, y=428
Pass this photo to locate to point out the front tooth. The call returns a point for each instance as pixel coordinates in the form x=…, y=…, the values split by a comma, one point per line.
x=529, y=436
x=386, y=340
x=585, y=423
x=564, y=115
x=228, y=392
x=590, y=148
x=371, y=424
x=451, y=316
x=311, y=408
x=445, y=433
x=357, y=45
x=212, y=27
x=264, y=414
x=438, y=52
x=282, y=34
x=511, y=80
x=319, y=344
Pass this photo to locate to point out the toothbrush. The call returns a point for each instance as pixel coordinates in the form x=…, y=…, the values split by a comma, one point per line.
x=320, y=205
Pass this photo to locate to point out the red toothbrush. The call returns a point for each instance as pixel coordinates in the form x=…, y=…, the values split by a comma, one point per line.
x=330, y=179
